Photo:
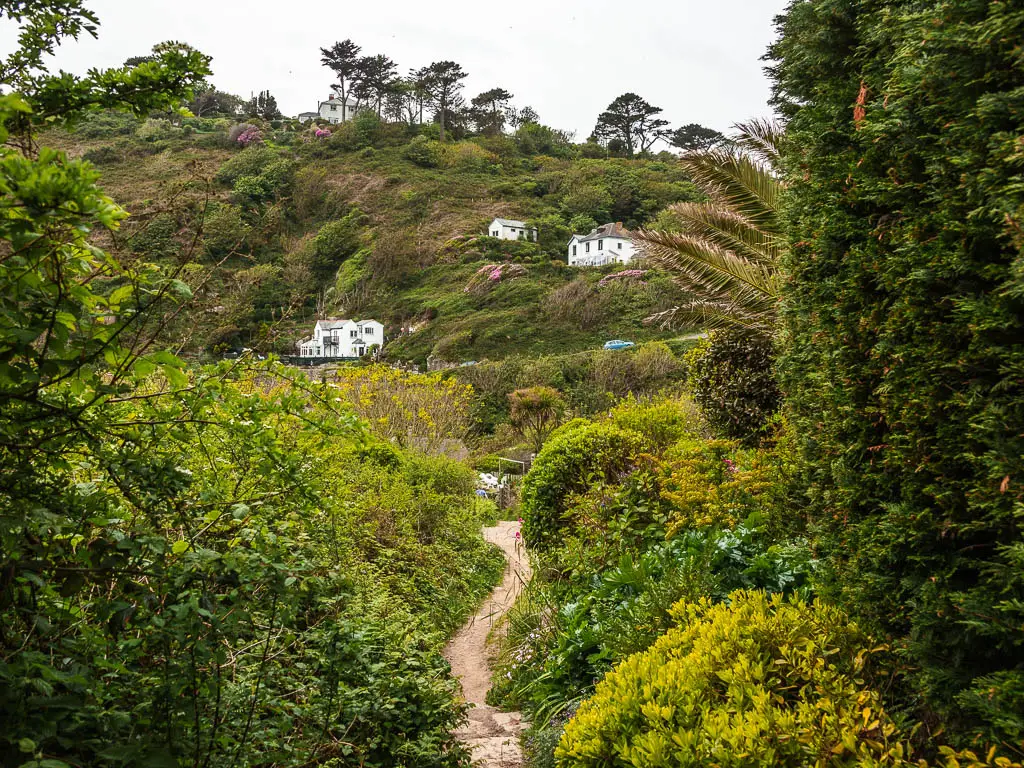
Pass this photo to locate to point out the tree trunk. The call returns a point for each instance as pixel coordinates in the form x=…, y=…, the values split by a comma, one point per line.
x=443, y=108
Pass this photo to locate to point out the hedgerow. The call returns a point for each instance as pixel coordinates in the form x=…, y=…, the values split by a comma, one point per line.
x=904, y=332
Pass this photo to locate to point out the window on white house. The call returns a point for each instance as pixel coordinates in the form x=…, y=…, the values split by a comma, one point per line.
x=620, y=246
x=574, y=250
x=368, y=331
x=588, y=247
x=334, y=107
x=494, y=233
x=600, y=245
x=353, y=334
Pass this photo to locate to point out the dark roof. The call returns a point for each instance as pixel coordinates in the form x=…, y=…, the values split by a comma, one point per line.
x=512, y=223
x=607, y=230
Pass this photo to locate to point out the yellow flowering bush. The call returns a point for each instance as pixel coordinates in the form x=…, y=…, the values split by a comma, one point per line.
x=757, y=681
x=423, y=411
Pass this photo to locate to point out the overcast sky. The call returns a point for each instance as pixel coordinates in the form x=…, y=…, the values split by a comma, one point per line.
x=697, y=59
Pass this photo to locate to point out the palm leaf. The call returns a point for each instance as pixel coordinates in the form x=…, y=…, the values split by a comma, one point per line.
x=727, y=252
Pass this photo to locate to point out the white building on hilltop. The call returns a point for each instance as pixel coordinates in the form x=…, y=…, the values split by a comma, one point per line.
x=342, y=338
x=510, y=229
x=608, y=244
x=334, y=110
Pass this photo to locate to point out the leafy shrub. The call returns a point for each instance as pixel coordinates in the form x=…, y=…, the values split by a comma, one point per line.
x=102, y=155
x=336, y=241
x=904, y=335
x=248, y=162
x=224, y=231
x=572, y=460
x=467, y=156
x=423, y=152
x=106, y=123
x=732, y=378
x=270, y=183
x=156, y=129
x=757, y=681
x=648, y=368
x=661, y=422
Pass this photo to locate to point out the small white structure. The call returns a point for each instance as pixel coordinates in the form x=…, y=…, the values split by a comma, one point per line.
x=342, y=338
x=608, y=244
x=509, y=229
x=305, y=117
x=334, y=110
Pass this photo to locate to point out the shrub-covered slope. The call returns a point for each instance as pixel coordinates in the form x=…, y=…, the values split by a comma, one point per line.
x=379, y=220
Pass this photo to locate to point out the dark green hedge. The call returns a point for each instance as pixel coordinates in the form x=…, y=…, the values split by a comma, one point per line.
x=904, y=326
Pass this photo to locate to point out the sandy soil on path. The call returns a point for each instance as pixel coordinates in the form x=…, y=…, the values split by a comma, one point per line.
x=493, y=736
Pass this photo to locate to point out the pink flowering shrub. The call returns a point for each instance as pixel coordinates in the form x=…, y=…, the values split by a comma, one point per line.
x=625, y=274
x=251, y=136
x=490, y=275
x=322, y=133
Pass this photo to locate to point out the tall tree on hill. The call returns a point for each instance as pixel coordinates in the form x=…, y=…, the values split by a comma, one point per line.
x=695, y=137
x=210, y=101
x=490, y=109
x=520, y=117
x=376, y=76
x=442, y=82
x=633, y=122
x=263, y=105
x=341, y=58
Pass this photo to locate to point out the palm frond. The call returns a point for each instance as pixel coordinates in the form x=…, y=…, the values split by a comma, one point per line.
x=737, y=181
x=762, y=138
x=727, y=252
x=728, y=229
x=707, y=266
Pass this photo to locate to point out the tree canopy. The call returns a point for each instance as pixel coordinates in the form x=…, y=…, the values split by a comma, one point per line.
x=632, y=123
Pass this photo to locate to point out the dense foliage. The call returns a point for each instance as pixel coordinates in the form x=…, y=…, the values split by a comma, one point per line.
x=197, y=567
x=629, y=515
x=904, y=323
x=754, y=682
x=731, y=375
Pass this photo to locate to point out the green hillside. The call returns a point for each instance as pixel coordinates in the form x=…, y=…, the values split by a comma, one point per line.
x=380, y=220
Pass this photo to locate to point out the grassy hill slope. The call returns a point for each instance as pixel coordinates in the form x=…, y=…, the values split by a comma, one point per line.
x=381, y=221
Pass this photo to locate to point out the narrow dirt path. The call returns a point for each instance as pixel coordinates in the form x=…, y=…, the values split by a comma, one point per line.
x=493, y=736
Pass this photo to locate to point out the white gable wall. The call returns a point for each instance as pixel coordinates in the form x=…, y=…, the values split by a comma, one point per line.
x=504, y=231
x=601, y=251
x=342, y=339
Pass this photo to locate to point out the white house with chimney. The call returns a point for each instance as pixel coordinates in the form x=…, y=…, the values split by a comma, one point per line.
x=342, y=338
x=607, y=244
x=510, y=229
x=334, y=110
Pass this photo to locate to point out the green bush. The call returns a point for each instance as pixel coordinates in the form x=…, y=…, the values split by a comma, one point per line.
x=756, y=682
x=249, y=162
x=423, y=152
x=732, y=378
x=154, y=129
x=904, y=329
x=224, y=230
x=576, y=456
x=336, y=241
x=106, y=123
x=102, y=155
x=660, y=422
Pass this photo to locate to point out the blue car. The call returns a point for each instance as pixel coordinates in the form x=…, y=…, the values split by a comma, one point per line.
x=618, y=344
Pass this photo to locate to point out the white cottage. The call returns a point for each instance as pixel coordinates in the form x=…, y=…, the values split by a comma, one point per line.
x=334, y=110
x=342, y=338
x=509, y=229
x=608, y=244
